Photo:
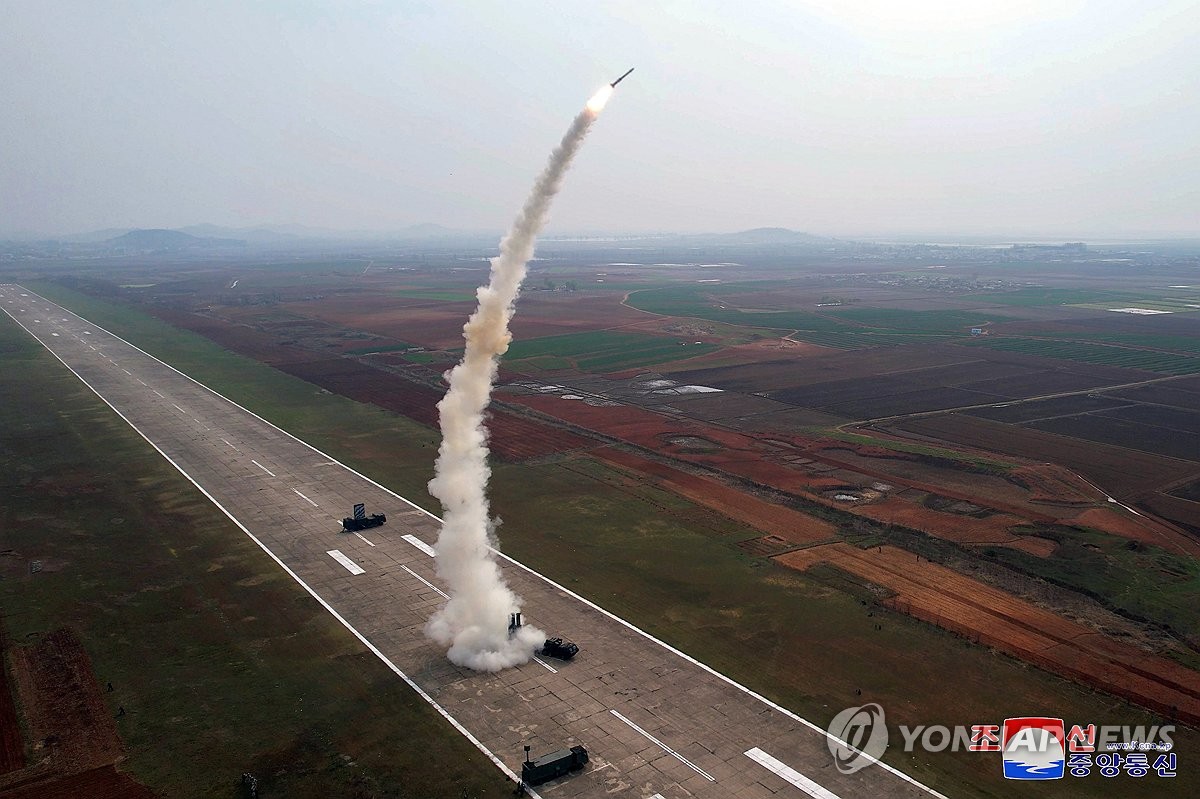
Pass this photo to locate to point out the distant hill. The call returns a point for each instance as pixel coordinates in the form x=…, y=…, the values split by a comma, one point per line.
x=250, y=235
x=772, y=235
x=159, y=239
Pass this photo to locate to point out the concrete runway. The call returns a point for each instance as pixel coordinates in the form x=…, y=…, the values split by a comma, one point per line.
x=656, y=722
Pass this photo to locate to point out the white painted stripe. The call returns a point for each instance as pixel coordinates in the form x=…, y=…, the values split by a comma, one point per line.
x=608, y=614
x=545, y=665
x=126, y=371
x=350, y=565
x=140, y=380
x=306, y=499
x=422, y=579
x=181, y=410
x=665, y=748
x=231, y=446
x=419, y=544
x=264, y=468
x=364, y=540
x=781, y=769
x=157, y=392
x=354, y=631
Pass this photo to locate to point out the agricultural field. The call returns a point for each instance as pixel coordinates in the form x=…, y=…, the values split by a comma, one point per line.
x=1105, y=354
x=605, y=350
x=756, y=444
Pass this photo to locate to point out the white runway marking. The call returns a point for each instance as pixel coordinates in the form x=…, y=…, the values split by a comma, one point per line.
x=548, y=668
x=350, y=565
x=231, y=446
x=419, y=544
x=364, y=540
x=157, y=392
x=790, y=774
x=140, y=380
x=126, y=371
x=422, y=579
x=306, y=499
x=264, y=468
x=181, y=410
x=54, y=334
x=666, y=748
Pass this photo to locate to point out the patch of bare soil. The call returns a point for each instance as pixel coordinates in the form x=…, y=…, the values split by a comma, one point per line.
x=73, y=737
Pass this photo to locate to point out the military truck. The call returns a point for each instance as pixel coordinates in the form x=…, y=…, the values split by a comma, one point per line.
x=553, y=765
x=558, y=648
x=361, y=521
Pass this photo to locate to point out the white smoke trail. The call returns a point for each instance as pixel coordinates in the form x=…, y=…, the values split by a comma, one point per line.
x=474, y=623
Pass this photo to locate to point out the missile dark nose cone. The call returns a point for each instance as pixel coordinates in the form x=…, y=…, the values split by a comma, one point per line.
x=618, y=80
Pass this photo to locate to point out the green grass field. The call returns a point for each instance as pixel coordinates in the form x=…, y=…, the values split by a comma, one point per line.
x=840, y=327
x=673, y=568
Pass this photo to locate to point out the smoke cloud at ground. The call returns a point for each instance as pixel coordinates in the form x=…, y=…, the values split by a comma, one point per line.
x=474, y=622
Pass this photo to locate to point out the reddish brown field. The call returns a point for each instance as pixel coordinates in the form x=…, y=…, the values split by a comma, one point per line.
x=955, y=527
x=995, y=618
x=512, y=437
x=438, y=325
x=103, y=782
x=1138, y=528
x=12, y=746
x=70, y=725
x=757, y=460
x=430, y=323
x=790, y=525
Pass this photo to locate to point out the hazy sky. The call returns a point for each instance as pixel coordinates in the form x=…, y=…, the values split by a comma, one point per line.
x=834, y=117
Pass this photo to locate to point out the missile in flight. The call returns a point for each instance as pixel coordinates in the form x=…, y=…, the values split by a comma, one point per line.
x=618, y=80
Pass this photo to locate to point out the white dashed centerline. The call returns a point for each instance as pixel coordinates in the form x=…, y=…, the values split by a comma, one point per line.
x=155, y=390
x=422, y=579
x=231, y=446
x=181, y=410
x=264, y=468
x=668, y=749
x=783, y=770
x=306, y=499
x=362, y=538
x=350, y=565
x=126, y=371
x=419, y=544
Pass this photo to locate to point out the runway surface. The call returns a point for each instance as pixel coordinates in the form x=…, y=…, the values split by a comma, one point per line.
x=656, y=722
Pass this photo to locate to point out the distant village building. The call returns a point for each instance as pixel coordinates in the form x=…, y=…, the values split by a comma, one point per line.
x=977, y=331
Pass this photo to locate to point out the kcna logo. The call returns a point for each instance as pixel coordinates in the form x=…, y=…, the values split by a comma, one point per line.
x=1033, y=748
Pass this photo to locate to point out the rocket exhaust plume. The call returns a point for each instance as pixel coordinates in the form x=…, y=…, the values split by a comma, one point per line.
x=475, y=621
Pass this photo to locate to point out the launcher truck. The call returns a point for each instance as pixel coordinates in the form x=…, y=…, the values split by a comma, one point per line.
x=361, y=521
x=553, y=765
